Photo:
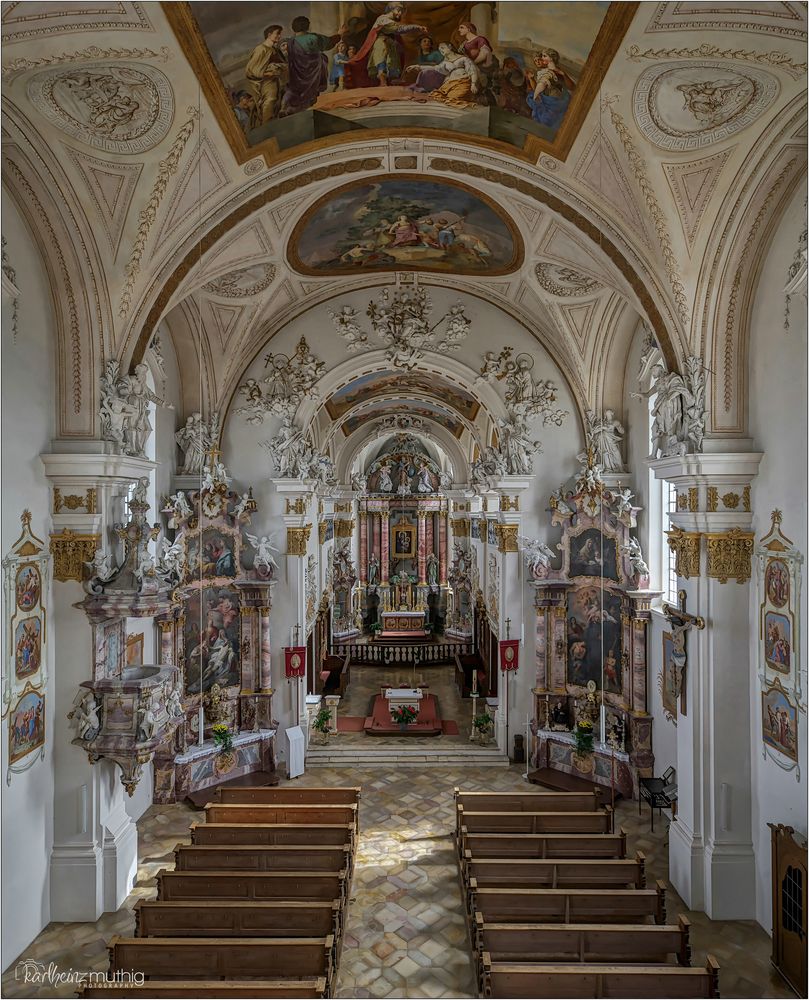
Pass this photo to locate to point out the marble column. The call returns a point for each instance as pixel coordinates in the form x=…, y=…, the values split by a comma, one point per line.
x=430, y=533
x=166, y=640
x=422, y=548
x=442, y=548
x=265, y=677
x=249, y=641
x=363, y=548
x=384, y=545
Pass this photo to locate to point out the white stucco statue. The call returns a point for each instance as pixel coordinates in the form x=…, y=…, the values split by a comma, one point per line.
x=194, y=440
x=639, y=566
x=101, y=567
x=174, y=705
x=537, y=556
x=84, y=716
x=243, y=506
x=170, y=560
x=679, y=409
x=264, y=558
x=606, y=434
x=385, y=481
x=147, y=723
x=359, y=483
x=179, y=508
x=623, y=501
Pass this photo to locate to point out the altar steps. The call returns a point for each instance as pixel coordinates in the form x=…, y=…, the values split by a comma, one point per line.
x=364, y=757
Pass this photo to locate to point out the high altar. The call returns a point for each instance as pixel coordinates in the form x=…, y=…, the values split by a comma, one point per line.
x=592, y=617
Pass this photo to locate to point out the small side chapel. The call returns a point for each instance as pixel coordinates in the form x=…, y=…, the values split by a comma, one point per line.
x=404, y=524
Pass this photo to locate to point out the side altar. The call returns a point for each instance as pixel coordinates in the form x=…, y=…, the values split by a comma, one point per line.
x=592, y=617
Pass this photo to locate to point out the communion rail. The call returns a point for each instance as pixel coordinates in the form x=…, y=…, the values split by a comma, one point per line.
x=408, y=654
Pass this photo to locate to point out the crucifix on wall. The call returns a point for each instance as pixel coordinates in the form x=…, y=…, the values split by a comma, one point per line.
x=681, y=622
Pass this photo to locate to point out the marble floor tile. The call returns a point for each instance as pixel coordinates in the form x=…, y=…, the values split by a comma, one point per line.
x=405, y=932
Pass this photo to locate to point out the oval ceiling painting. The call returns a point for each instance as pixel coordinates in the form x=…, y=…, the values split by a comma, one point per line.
x=405, y=223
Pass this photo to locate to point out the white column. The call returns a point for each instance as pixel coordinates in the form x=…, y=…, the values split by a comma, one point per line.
x=711, y=859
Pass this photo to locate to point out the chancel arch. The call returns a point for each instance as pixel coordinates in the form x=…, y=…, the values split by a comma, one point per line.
x=424, y=387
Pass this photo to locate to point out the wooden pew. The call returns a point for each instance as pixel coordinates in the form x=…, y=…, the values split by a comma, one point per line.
x=273, y=834
x=568, y=906
x=643, y=943
x=226, y=957
x=156, y=989
x=222, y=918
x=327, y=813
x=578, y=873
x=238, y=885
x=288, y=794
x=594, y=846
x=632, y=982
x=526, y=802
x=259, y=858
x=536, y=822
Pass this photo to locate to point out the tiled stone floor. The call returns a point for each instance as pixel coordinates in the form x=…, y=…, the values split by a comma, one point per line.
x=405, y=934
x=367, y=681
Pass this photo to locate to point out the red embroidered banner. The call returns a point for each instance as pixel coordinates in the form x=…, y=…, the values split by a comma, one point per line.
x=509, y=654
x=294, y=661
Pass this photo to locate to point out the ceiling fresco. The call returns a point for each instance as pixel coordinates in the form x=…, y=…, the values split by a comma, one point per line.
x=374, y=384
x=280, y=75
x=405, y=224
x=398, y=407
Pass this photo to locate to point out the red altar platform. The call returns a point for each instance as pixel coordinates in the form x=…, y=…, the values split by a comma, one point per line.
x=428, y=722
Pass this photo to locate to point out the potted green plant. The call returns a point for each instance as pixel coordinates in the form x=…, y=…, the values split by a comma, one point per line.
x=225, y=759
x=404, y=715
x=322, y=724
x=583, y=737
x=482, y=727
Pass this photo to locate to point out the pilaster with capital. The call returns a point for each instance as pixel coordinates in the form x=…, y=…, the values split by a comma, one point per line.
x=421, y=548
x=442, y=548
x=363, y=548
x=711, y=859
x=384, y=545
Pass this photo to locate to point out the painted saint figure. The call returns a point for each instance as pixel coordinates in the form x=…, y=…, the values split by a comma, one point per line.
x=552, y=89
x=266, y=71
x=308, y=66
x=379, y=59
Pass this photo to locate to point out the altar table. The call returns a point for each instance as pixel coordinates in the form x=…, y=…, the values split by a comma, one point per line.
x=398, y=697
x=402, y=621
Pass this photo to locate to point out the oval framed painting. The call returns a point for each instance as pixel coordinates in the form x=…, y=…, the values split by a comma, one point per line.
x=405, y=223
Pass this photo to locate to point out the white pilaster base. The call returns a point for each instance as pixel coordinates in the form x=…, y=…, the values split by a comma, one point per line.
x=730, y=881
x=687, y=865
x=77, y=881
x=120, y=859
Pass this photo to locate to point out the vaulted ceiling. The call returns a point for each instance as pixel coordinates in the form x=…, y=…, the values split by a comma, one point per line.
x=651, y=203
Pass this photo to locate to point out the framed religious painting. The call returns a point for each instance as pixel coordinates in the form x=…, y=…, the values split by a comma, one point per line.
x=134, y=649
x=778, y=581
x=26, y=569
x=402, y=541
x=594, y=553
x=779, y=722
x=26, y=729
x=668, y=680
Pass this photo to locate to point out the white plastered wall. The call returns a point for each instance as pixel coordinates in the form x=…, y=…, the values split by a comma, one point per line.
x=778, y=425
x=27, y=397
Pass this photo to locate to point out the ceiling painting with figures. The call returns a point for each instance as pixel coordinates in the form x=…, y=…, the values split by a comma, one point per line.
x=281, y=75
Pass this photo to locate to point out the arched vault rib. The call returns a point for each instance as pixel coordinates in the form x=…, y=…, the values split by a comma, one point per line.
x=360, y=439
x=197, y=246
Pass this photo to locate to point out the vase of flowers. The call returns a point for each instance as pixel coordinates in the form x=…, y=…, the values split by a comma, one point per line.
x=583, y=742
x=322, y=724
x=482, y=727
x=223, y=741
x=404, y=715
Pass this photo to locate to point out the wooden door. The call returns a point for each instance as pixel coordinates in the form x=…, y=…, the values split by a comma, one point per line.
x=789, y=886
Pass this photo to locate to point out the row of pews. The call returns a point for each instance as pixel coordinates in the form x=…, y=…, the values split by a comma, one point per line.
x=255, y=905
x=556, y=908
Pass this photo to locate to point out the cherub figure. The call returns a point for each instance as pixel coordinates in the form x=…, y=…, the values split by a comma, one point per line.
x=264, y=561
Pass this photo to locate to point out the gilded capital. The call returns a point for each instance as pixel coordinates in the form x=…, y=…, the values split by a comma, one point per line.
x=461, y=527
x=296, y=506
x=507, y=537
x=297, y=540
x=322, y=531
x=508, y=503
x=343, y=528
x=70, y=551
x=685, y=546
x=729, y=555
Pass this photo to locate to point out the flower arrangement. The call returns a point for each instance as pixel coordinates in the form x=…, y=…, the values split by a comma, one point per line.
x=583, y=737
x=404, y=714
x=322, y=721
x=482, y=723
x=222, y=737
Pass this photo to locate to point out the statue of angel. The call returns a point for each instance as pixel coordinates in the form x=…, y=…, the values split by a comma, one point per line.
x=639, y=567
x=145, y=567
x=101, y=567
x=242, y=507
x=537, y=556
x=170, y=560
x=263, y=559
x=359, y=483
x=174, y=706
x=558, y=503
x=179, y=508
x=623, y=501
